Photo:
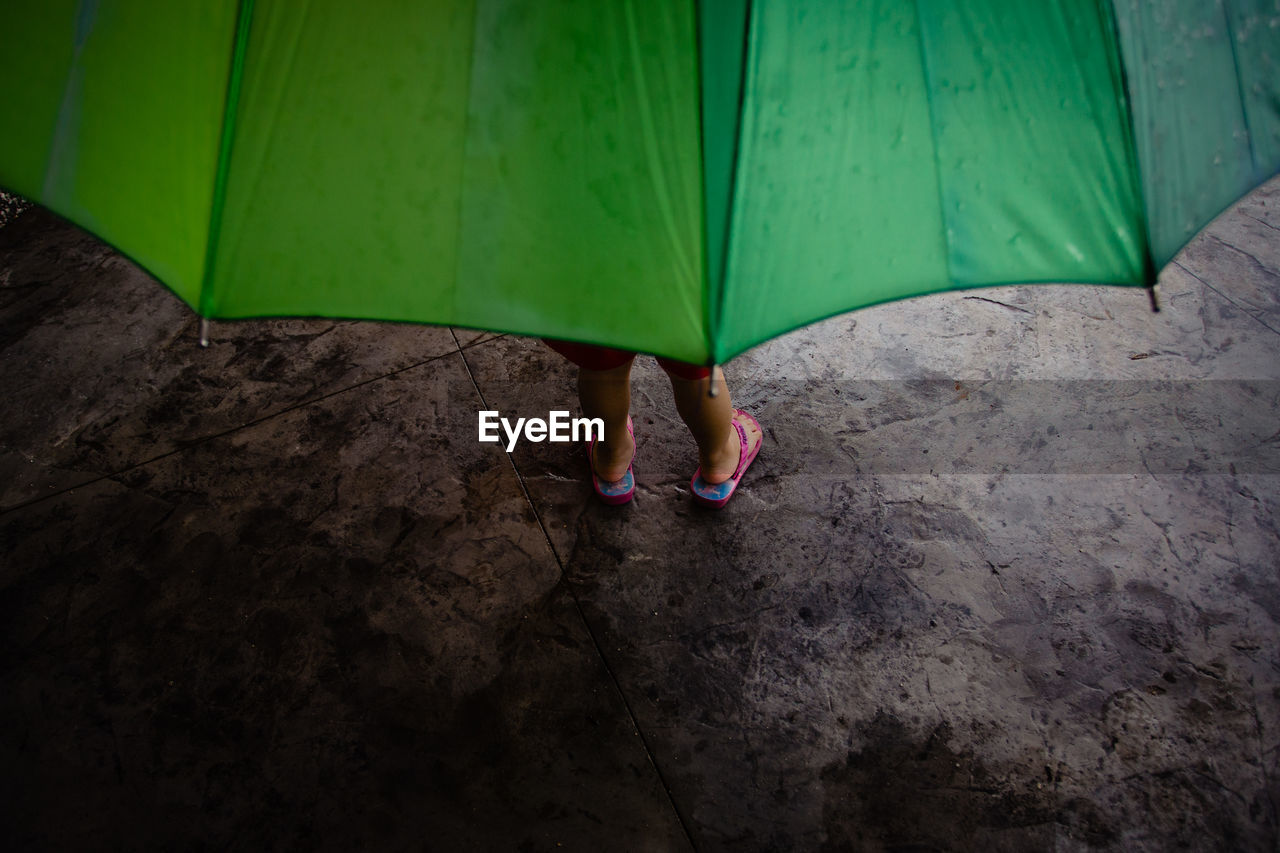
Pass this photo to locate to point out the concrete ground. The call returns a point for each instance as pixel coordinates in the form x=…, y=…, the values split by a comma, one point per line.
x=1004, y=577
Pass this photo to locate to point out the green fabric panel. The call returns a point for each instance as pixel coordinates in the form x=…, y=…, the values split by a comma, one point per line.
x=1032, y=143
x=116, y=122
x=722, y=26
x=1255, y=27
x=37, y=45
x=344, y=183
x=681, y=178
x=837, y=194
x=582, y=209
x=1189, y=124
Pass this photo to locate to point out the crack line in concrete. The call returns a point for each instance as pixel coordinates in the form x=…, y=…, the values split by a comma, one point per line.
x=998, y=302
x=577, y=605
x=1263, y=221
x=1243, y=308
x=1268, y=788
x=196, y=442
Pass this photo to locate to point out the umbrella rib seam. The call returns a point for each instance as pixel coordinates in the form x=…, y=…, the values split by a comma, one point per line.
x=1150, y=267
x=230, y=107
x=933, y=138
x=1240, y=93
x=460, y=244
x=704, y=195
x=716, y=311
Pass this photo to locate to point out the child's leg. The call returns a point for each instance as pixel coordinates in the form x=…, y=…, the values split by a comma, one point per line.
x=606, y=394
x=604, y=391
x=710, y=420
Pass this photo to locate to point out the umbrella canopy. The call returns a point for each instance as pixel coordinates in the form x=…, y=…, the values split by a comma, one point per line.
x=677, y=177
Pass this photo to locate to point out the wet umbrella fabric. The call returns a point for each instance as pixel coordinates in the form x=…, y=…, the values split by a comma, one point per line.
x=676, y=177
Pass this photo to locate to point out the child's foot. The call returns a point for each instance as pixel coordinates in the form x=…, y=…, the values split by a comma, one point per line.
x=611, y=463
x=725, y=462
x=611, y=474
x=716, y=484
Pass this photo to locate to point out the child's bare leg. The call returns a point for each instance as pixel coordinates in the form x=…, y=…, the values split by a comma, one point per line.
x=710, y=419
x=606, y=394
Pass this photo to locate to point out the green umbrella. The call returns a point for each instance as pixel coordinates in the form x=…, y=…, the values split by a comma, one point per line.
x=677, y=177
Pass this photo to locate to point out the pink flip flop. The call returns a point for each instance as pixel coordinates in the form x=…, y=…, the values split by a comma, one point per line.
x=718, y=495
x=619, y=491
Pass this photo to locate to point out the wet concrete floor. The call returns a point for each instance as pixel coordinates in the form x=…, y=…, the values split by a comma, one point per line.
x=1004, y=577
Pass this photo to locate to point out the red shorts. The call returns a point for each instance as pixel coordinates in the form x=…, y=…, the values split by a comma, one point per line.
x=591, y=357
